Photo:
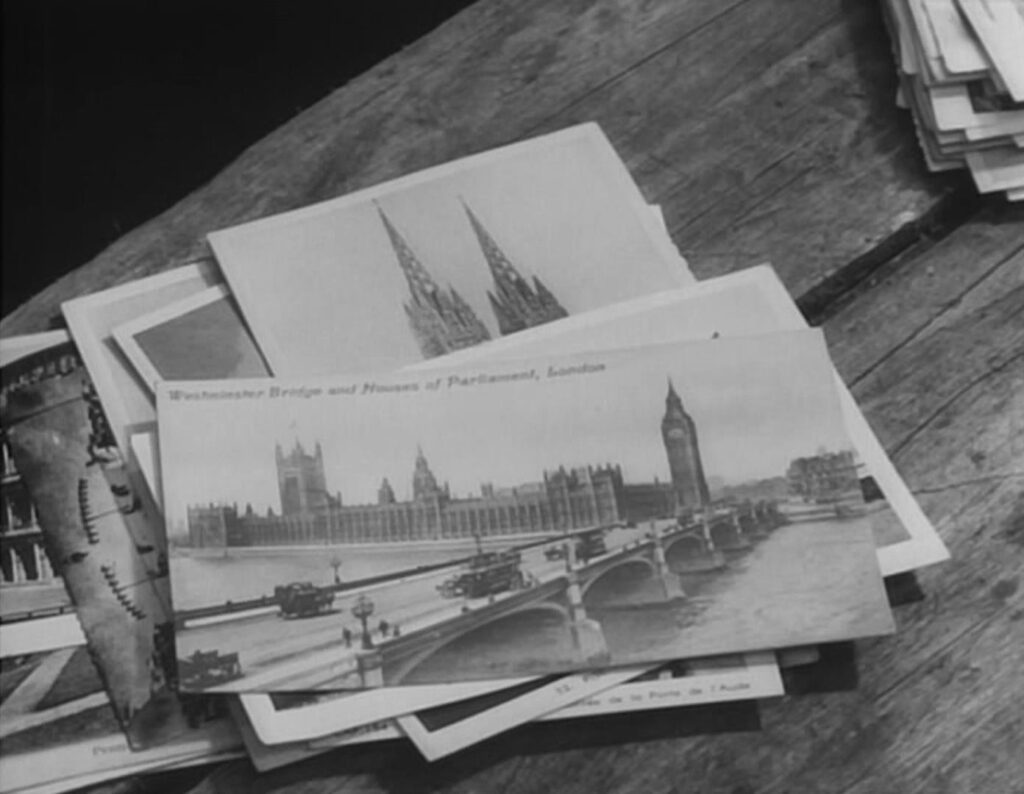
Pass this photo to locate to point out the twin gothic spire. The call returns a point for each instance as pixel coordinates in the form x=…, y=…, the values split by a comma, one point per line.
x=442, y=320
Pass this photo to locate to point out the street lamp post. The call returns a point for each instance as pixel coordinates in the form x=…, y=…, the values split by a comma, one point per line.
x=361, y=611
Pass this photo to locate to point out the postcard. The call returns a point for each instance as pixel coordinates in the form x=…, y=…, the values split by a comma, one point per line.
x=202, y=337
x=449, y=257
x=14, y=347
x=265, y=757
x=509, y=703
x=124, y=396
x=685, y=683
x=59, y=732
x=953, y=107
x=578, y=472
x=281, y=719
x=104, y=537
x=447, y=729
x=290, y=720
x=277, y=720
x=999, y=25
x=34, y=635
x=674, y=685
x=346, y=710
x=35, y=610
x=749, y=302
x=452, y=727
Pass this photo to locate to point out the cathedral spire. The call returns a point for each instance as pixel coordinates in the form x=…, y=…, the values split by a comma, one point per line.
x=421, y=283
x=516, y=304
x=440, y=319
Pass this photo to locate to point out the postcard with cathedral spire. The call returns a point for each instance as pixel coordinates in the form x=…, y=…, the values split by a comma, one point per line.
x=514, y=518
x=449, y=257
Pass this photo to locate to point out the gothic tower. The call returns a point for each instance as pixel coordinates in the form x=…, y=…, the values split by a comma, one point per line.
x=679, y=433
x=516, y=304
x=424, y=483
x=301, y=480
x=385, y=494
x=440, y=320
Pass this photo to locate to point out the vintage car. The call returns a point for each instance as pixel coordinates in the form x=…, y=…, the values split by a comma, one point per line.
x=302, y=599
x=485, y=574
x=204, y=669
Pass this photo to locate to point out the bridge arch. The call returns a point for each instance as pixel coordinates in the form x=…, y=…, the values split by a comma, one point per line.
x=398, y=673
x=634, y=561
x=725, y=535
x=688, y=545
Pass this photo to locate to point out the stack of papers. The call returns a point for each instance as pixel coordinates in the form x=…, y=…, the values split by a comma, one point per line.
x=424, y=463
x=962, y=76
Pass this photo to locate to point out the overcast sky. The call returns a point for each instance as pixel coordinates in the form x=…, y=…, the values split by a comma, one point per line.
x=757, y=403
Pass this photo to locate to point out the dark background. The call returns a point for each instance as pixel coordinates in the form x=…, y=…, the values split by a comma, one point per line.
x=115, y=109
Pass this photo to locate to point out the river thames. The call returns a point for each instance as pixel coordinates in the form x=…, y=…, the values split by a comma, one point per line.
x=805, y=582
x=794, y=584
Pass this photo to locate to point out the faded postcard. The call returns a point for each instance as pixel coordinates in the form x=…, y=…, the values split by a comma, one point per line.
x=447, y=258
x=749, y=302
x=279, y=720
x=287, y=719
x=104, y=537
x=125, y=398
x=455, y=726
x=35, y=610
x=561, y=513
x=202, y=337
x=265, y=757
x=447, y=729
x=673, y=685
x=57, y=729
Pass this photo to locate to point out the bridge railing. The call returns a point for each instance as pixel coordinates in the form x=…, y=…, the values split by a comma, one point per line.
x=182, y=616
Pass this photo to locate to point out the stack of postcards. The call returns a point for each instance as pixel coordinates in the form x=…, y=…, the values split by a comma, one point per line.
x=962, y=76
x=424, y=463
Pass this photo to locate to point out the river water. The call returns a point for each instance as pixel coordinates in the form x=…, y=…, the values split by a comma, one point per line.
x=208, y=579
x=240, y=575
x=807, y=582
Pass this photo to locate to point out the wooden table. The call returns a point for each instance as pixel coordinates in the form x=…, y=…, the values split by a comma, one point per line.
x=767, y=131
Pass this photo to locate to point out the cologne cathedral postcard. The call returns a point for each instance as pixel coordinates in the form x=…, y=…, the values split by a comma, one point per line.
x=448, y=258
x=517, y=518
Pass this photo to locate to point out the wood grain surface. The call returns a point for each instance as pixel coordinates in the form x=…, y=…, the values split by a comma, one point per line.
x=767, y=130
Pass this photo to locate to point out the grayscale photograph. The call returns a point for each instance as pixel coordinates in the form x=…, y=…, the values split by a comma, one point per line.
x=202, y=337
x=105, y=539
x=517, y=519
x=448, y=258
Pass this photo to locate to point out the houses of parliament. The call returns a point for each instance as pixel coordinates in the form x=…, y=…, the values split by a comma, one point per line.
x=442, y=321
x=563, y=499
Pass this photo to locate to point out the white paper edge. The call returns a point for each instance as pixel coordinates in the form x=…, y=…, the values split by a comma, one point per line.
x=125, y=334
x=234, y=267
x=555, y=695
x=78, y=312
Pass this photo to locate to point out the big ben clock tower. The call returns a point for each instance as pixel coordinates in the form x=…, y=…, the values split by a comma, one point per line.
x=679, y=433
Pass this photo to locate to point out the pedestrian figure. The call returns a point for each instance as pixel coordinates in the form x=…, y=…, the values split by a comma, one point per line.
x=383, y=628
x=395, y=630
x=347, y=636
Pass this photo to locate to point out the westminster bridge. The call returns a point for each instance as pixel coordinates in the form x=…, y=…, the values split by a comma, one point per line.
x=306, y=653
